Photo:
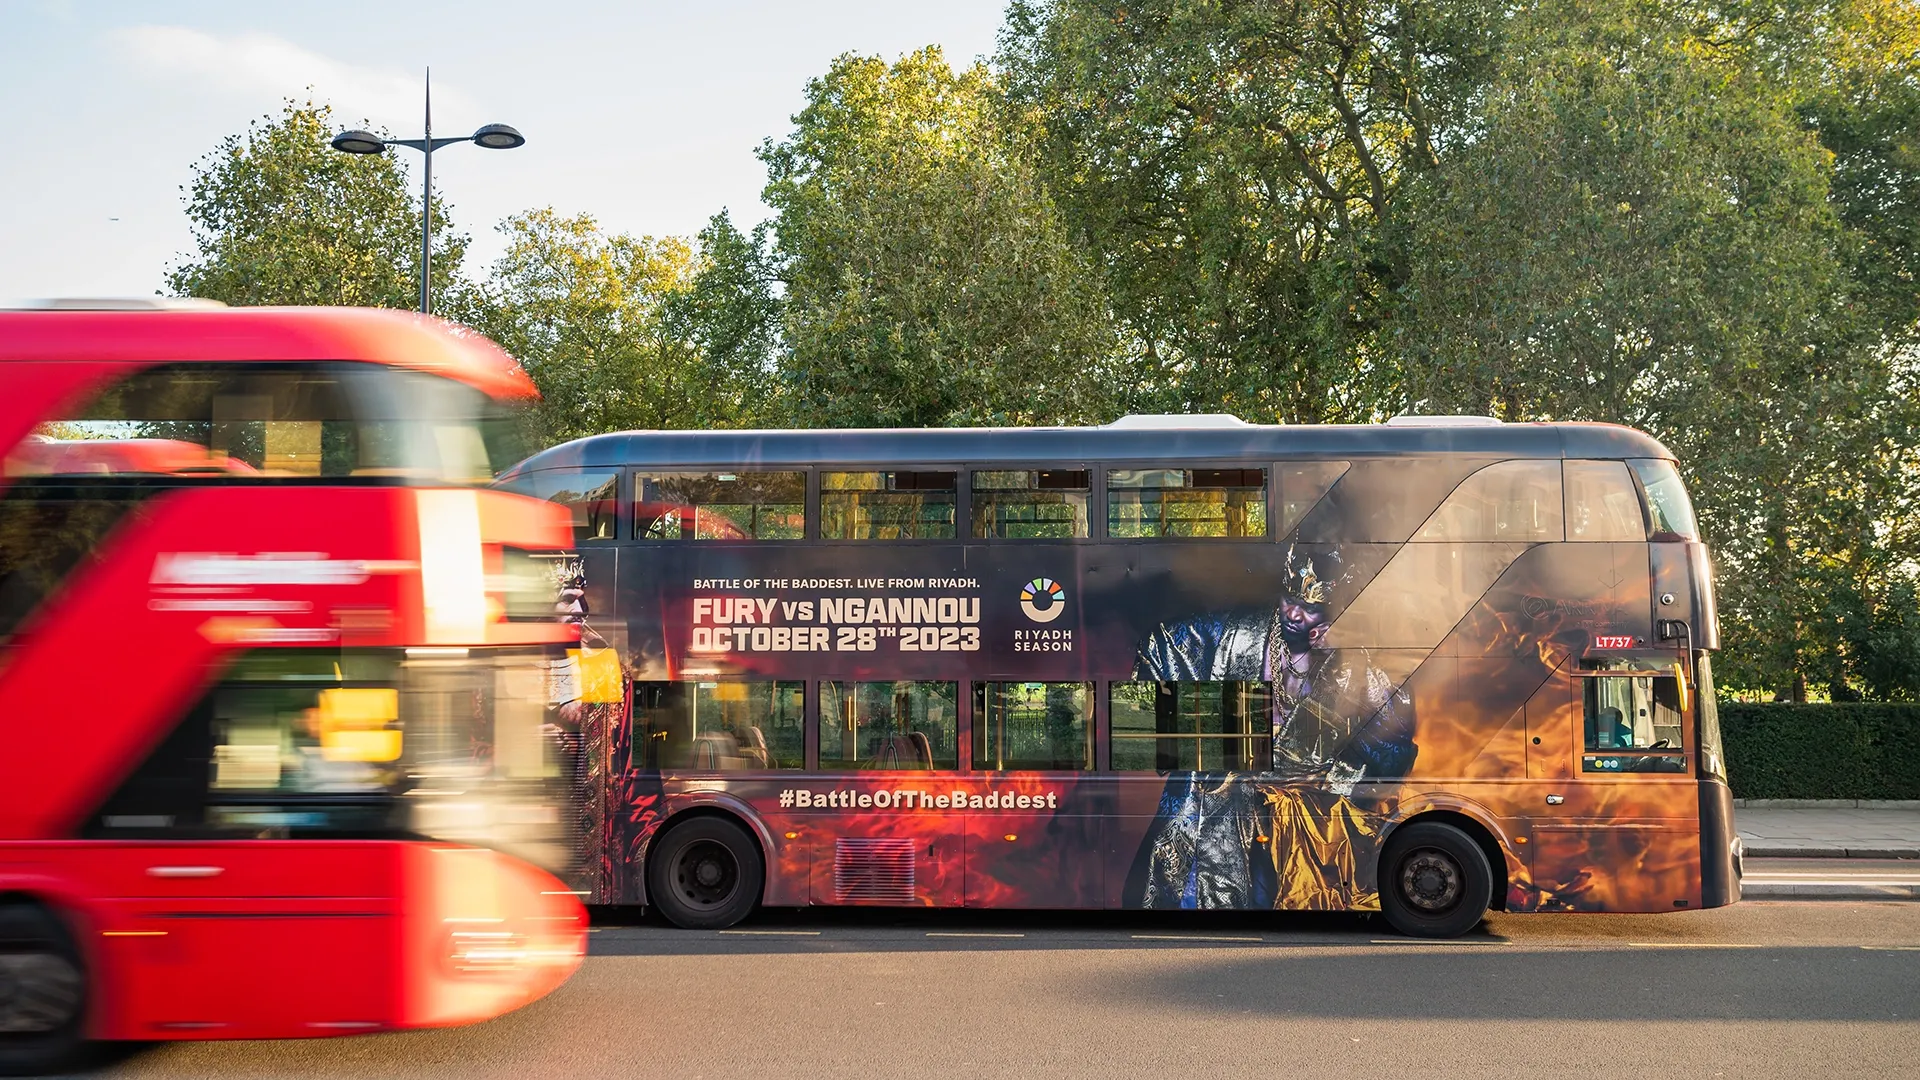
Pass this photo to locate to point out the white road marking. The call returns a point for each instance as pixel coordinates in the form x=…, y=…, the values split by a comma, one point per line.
x=1190, y=937
x=776, y=933
x=957, y=933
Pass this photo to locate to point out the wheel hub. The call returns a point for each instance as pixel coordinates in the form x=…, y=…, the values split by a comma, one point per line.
x=706, y=874
x=38, y=992
x=1431, y=880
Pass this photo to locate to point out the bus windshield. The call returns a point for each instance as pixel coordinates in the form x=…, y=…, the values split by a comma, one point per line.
x=259, y=421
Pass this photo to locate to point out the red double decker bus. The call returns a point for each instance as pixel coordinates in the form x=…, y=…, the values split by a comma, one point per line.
x=278, y=755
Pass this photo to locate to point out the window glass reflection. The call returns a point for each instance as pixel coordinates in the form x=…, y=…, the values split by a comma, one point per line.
x=888, y=505
x=1601, y=502
x=723, y=725
x=1037, y=504
x=720, y=506
x=1151, y=503
x=889, y=725
x=1032, y=725
x=1508, y=501
x=591, y=496
x=1199, y=726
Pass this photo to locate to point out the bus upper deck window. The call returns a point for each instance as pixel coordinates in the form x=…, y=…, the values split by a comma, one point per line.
x=1037, y=504
x=888, y=505
x=1506, y=501
x=720, y=506
x=590, y=495
x=1668, y=508
x=1601, y=502
x=1186, y=503
x=214, y=422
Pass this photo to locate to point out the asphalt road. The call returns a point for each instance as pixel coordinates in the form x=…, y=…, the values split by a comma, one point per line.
x=1776, y=988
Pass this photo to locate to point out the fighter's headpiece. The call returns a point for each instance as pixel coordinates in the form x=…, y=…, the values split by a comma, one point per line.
x=1310, y=578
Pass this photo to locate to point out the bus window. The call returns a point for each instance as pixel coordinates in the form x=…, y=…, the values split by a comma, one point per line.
x=1507, y=501
x=1601, y=502
x=1200, y=726
x=889, y=725
x=720, y=506
x=888, y=505
x=1633, y=724
x=1302, y=485
x=1668, y=507
x=1038, y=504
x=1031, y=725
x=1186, y=503
x=590, y=495
x=1383, y=500
x=719, y=725
x=216, y=421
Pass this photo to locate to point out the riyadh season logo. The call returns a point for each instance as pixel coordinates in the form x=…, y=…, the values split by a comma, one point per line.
x=1042, y=599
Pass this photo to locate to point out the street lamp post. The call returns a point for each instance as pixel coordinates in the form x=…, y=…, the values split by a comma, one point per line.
x=492, y=137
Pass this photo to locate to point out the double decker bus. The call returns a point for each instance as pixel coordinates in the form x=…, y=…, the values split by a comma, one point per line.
x=1431, y=667
x=278, y=753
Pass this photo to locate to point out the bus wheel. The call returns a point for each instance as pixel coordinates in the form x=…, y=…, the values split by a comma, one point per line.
x=43, y=992
x=705, y=874
x=1434, y=881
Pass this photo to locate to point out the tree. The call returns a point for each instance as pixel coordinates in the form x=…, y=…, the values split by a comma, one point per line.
x=611, y=327
x=280, y=217
x=928, y=277
x=1642, y=230
x=1242, y=169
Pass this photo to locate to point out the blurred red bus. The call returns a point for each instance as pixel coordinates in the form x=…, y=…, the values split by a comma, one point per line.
x=277, y=751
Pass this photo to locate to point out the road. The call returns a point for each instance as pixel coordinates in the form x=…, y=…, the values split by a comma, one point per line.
x=1776, y=988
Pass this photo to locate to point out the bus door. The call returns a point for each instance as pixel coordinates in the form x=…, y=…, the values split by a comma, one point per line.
x=1617, y=828
x=893, y=830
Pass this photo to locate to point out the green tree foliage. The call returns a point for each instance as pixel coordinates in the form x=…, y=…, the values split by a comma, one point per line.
x=617, y=330
x=280, y=217
x=1243, y=172
x=928, y=277
x=1644, y=230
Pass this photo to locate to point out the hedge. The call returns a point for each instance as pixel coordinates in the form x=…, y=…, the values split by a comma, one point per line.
x=1845, y=751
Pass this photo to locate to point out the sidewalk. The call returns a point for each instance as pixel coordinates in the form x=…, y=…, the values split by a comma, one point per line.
x=1828, y=829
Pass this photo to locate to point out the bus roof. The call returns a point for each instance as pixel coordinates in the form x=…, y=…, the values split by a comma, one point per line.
x=263, y=334
x=1208, y=440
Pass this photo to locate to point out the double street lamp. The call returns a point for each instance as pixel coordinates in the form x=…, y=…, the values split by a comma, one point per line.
x=492, y=137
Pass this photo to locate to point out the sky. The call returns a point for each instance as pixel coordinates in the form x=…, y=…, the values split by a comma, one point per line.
x=645, y=115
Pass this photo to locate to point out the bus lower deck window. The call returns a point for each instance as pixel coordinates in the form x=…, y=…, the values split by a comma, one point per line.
x=1197, y=726
x=889, y=725
x=1033, y=725
x=720, y=725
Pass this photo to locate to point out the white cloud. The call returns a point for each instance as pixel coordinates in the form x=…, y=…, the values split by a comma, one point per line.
x=256, y=65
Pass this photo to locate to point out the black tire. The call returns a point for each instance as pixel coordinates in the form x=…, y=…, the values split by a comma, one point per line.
x=705, y=874
x=1434, y=881
x=43, y=992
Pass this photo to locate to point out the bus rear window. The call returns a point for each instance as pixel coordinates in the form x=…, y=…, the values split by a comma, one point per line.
x=1668, y=507
x=1186, y=503
x=591, y=497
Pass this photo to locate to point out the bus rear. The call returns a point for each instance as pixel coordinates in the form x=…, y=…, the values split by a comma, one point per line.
x=276, y=734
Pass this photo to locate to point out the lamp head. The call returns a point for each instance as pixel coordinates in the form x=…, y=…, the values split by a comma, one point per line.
x=499, y=137
x=359, y=142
